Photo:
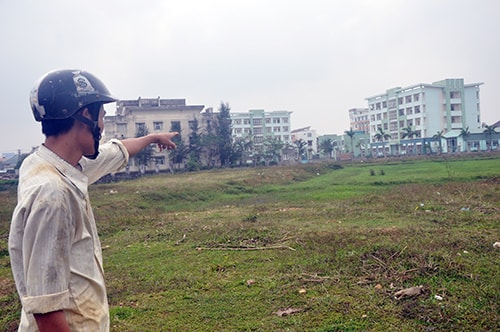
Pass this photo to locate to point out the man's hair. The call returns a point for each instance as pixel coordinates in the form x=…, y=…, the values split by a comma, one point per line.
x=61, y=126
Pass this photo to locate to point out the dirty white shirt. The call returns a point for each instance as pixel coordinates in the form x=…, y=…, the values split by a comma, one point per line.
x=54, y=248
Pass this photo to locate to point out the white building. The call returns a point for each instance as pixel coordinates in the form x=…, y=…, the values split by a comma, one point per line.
x=427, y=109
x=260, y=128
x=309, y=136
x=261, y=125
x=359, y=119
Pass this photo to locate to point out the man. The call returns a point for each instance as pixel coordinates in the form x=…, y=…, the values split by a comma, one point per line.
x=54, y=248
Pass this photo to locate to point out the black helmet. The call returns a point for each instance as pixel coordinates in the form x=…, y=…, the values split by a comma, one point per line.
x=61, y=93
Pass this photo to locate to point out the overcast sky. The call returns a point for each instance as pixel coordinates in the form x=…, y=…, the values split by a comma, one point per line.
x=316, y=58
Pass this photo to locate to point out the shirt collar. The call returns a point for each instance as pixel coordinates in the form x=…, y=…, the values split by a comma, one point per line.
x=75, y=175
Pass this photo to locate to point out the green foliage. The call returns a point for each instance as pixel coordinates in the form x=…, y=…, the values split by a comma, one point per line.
x=227, y=250
x=146, y=154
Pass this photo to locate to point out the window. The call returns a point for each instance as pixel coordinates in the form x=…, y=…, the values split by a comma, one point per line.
x=408, y=99
x=416, y=109
x=175, y=126
x=401, y=112
x=276, y=129
x=417, y=122
x=384, y=104
x=276, y=120
x=379, y=116
x=257, y=122
x=160, y=160
x=246, y=121
x=158, y=125
x=400, y=100
x=416, y=97
x=257, y=131
x=402, y=123
x=409, y=111
x=377, y=106
x=285, y=120
x=237, y=130
x=140, y=126
x=237, y=121
x=285, y=128
x=409, y=123
x=268, y=120
x=454, y=94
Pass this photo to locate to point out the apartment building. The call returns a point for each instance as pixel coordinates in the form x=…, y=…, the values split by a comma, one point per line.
x=154, y=115
x=261, y=125
x=426, y=109
x=359, y=119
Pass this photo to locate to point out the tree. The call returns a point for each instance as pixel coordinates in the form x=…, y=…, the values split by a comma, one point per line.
x=209, y=143
x=409, y=133
x=194, y=159
x=300, y=144
x=272, y=150
x=438, y=137
x=351, y=134
x=327, y=147
x=489, y=131
x=381, y=136
x=145, y=155
x=465, y=133
x=179, y=154
x=223, y=134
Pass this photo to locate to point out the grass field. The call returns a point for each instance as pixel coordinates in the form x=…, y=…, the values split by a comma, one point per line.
x=315, y=247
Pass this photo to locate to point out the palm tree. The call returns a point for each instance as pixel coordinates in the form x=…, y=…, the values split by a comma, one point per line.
x=410, y=133
x=489, y=131
x=327, y=147
x=465, y=133
x=351, y=134
x=381, y=136
x=301, y=147
x=438, y=137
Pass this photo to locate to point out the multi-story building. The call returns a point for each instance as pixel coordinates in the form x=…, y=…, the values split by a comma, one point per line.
x=359, y=119
x=261, y=125
x=154, y=115
x=309, y=136
x=412, y=116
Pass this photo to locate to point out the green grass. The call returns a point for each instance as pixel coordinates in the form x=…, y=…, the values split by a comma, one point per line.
x=225, y=250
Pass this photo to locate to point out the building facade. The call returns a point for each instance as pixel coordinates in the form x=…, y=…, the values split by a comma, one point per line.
x=154, y=115
x=411, y=117
x=261, y=125
x=263, y=130
x=309, y=136
x=359, y=119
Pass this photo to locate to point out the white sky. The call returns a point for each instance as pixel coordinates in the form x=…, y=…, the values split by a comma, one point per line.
x=316, y=58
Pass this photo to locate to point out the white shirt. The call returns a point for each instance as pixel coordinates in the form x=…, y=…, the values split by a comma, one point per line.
x=54, y=247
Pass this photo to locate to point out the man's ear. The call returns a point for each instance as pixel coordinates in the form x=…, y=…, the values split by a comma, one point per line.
x=86, y=113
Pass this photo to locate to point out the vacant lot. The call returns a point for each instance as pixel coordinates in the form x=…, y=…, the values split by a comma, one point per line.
x=317, y=247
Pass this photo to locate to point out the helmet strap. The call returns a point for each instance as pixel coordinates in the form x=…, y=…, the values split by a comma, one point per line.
x=96, y=133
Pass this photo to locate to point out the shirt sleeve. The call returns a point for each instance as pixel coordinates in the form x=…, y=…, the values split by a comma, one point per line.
x=48, y=234
x=112, y=157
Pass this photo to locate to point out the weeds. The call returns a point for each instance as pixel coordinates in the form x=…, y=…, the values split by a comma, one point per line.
x=286, y=249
